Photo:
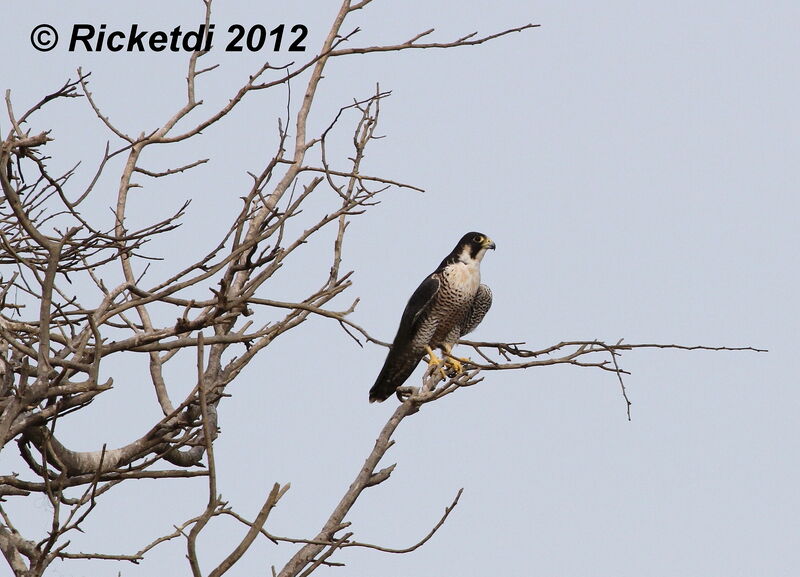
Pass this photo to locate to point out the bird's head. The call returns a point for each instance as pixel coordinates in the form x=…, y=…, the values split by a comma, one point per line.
x=473, y=246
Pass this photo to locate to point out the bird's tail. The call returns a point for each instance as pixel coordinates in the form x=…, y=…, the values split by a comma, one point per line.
x=398, y=367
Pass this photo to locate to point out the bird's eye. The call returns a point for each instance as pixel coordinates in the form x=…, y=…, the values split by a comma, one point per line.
x=478, y=238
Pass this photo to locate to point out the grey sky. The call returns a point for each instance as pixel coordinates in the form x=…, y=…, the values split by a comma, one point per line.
x=636, y=164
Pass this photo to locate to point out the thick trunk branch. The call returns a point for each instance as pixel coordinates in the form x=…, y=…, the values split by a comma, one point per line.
x=365, y=478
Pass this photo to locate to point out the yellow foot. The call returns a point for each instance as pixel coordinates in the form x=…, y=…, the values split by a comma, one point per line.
x=433, y=360
x=455, y=363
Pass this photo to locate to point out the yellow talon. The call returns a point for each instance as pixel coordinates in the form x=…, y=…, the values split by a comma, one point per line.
x=455, y=364
x=453, y=361
x=433, y=360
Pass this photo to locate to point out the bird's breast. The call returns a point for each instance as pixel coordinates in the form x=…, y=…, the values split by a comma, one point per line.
x=463, y=278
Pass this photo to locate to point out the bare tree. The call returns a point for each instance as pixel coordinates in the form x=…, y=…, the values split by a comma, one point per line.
x=57, y=337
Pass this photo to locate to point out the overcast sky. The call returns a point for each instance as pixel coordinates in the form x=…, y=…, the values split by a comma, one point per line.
x=636, y=164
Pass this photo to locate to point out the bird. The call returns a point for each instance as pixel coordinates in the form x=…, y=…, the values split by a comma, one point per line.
x=447, y=305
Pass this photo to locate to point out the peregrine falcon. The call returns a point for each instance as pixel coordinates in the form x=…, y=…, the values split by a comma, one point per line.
x=448, y=304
